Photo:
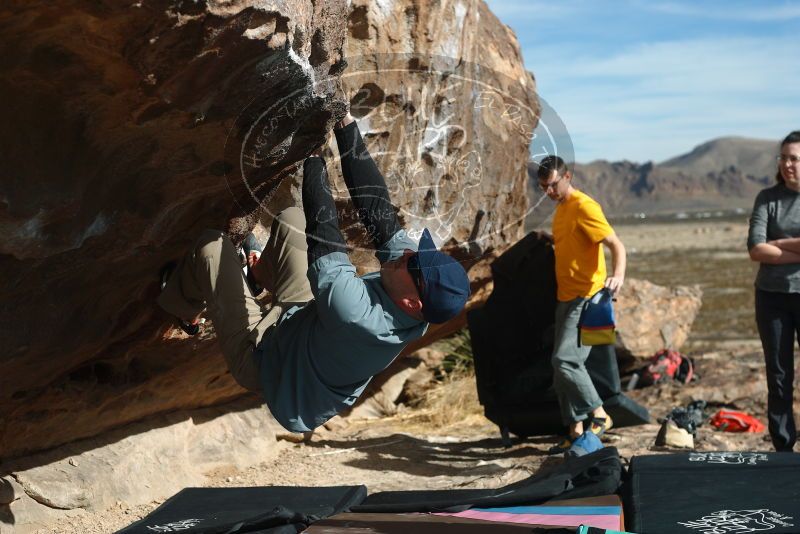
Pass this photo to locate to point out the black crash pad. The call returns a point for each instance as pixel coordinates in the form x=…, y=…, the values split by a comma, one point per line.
x=273, y=510
x=713, y=492
x=593, y=475
x=422, y=524
x=512, y=343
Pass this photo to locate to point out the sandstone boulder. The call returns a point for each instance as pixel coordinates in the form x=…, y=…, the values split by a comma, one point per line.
x=8, y=492
x=131, y=127
x=384, y=401
x=651, y=317
x=139, y=464
x=406, y=381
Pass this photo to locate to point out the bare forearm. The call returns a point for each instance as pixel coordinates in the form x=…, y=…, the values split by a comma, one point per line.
x=790, y=244
x=618, y=263
x=618, y=255
x=619, y=259
x=772, y=254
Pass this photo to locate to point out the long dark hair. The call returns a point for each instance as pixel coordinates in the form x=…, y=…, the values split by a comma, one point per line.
x=793, y=137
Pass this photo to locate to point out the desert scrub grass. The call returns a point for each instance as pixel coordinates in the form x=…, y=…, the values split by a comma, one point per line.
x=453, y=401
x=454, y=398
x=458, y=355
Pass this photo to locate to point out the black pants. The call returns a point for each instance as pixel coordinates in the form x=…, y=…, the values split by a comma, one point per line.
x=367, y=189
x=778, y=319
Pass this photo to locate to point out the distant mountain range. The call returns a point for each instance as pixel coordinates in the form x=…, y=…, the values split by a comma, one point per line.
x=722, y=174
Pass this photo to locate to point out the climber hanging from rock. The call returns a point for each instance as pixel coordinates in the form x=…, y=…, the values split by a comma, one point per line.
x=327, y=331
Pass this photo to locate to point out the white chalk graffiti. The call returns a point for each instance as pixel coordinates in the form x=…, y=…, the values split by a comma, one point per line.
x=739, y=521
x=175, y=526
x=437, y=135
x=745, y=458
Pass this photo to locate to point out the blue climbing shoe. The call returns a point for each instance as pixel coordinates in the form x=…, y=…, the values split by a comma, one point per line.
x=586, y=443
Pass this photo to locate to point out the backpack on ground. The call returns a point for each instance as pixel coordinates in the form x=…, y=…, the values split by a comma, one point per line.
x=667, y=364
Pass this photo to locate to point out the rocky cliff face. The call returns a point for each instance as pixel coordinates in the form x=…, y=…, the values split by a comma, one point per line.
x=129, y=127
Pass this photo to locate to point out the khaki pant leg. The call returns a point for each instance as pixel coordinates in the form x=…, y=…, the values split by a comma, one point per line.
x=286, y=255
x=212, y=272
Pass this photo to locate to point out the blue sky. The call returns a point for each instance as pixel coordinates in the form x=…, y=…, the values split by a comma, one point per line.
x=649, y=80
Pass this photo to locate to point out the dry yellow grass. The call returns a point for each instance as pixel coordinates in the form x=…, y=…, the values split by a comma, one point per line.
x=449, y=406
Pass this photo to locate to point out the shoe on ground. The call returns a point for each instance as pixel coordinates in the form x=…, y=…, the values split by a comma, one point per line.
x=599, y=425
x=562, y=446
x=586, y=443
x=671, y=435
x=696, y=412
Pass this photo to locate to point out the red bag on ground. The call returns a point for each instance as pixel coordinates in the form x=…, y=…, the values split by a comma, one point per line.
x=668, y=364
x=731, y=421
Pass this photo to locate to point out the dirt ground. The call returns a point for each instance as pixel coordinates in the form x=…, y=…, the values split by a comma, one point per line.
x=419, y=450
x=412, y=451
x=704, y=234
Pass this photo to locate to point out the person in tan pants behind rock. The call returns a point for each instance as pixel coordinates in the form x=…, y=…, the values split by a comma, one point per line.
x=213, y=267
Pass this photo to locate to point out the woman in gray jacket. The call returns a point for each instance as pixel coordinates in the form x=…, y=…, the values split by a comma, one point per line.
x=774, y=242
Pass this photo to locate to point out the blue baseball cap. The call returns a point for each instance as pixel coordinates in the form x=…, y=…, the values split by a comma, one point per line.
x=445, y=284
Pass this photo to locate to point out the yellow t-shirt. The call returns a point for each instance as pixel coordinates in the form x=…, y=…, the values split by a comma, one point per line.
x=578, y=228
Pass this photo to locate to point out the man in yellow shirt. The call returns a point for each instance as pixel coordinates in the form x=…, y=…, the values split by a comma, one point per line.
x=579, y=230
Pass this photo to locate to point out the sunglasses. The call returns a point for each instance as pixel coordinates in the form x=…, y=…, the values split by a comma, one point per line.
x=552, y=185
x=416, y=273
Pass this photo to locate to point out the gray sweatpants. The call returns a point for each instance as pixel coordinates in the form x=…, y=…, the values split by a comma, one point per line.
x=577, y=396
x=210, y=276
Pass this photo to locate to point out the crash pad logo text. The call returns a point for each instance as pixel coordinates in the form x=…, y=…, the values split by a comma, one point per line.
x=748, y=458
x=175, y=526
x=739, y=521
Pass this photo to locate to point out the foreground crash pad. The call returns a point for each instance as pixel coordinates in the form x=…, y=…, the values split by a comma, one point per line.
x=357, y=523
x=265, y=510
x=601, y=512
x=592, y=475
x=593, y=514
x=281, y=510
x=713, y=492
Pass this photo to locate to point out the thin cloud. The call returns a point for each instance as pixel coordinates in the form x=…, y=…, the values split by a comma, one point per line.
x=642, y=81
x=672, y=94
x=536, y=9
x=762, y=12
x=729, y=63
